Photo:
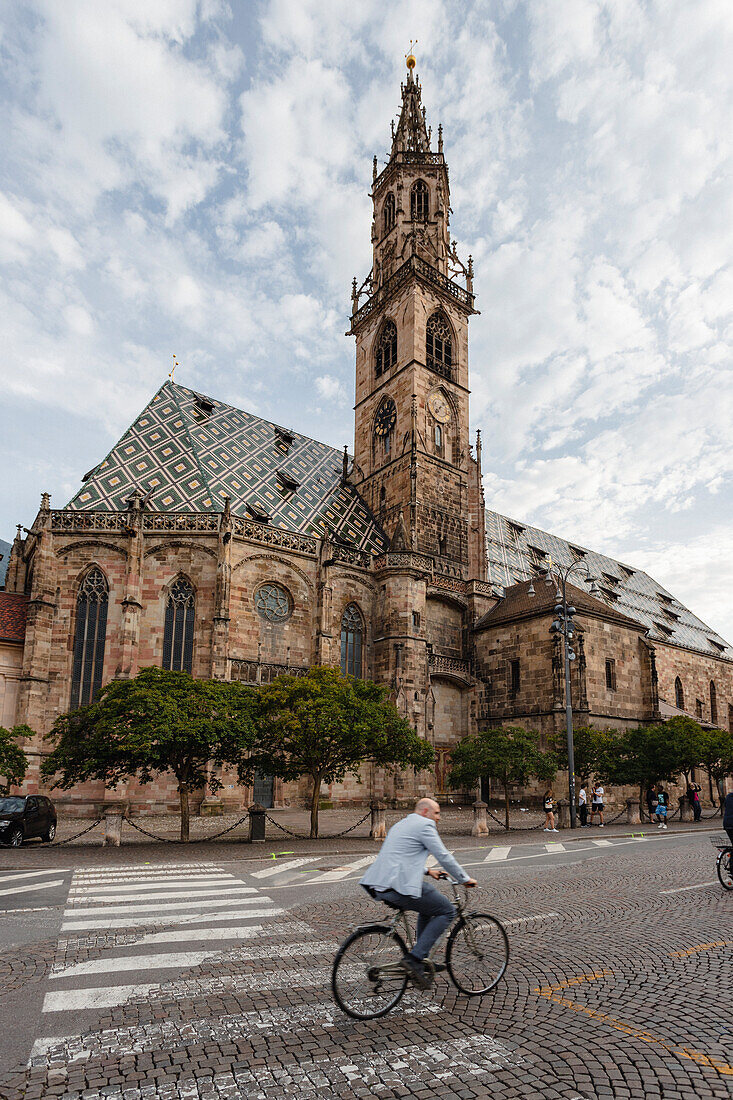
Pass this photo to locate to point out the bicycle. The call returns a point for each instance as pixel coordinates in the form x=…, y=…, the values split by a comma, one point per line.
x=724, y=864
x=367, y=980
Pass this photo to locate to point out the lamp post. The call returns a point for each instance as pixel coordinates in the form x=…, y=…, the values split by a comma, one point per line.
x=564, y=625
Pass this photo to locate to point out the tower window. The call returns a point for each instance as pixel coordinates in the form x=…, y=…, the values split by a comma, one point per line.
x=386, y=356
x=698, y=708
x=679, y=695
x=439, y=345
x=713, y=703
x=610, y=674
x=419, y=202
x=89, y=638
x=389, y=212
x=352, y=636
x=178, y=631
x=514, y=674
x=438, y=438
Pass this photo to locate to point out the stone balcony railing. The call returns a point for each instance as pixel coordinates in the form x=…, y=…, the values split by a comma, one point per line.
x=455, y=667
x=256, y=672
x=414, y=265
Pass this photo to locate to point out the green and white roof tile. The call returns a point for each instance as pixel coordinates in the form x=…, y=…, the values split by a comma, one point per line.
x=186, y=453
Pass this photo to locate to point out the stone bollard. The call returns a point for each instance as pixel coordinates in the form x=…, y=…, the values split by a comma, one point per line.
x=378, y=830
x=563, y=814
x=633, y=816
x=480, y=827
x=112, y=827
x=686, y=811
x=256, y=823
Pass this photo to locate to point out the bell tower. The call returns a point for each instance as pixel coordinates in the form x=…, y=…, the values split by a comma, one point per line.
x=413, y=462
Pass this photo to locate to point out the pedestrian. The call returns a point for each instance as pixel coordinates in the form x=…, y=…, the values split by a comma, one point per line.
x=728, y=815
x=583, y=808
x=596, y=806
x=662, y=805
x=693, y=797
x=651, y=800
x=549, y=804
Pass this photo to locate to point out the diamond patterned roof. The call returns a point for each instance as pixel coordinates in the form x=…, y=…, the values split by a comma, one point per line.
x=515, y=549
x=186, y=453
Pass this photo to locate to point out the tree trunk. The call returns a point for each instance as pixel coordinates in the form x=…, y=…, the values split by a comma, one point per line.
x=315, y=798
x=642, y=803
x=183, y=795
x=710, y=784
x=506, y=806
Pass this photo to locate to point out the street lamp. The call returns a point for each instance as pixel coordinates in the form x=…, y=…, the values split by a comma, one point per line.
x=564, y=625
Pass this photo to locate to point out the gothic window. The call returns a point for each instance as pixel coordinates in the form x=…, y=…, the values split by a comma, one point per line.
x=439, y=345
x=386, y=356
x=89, y=636
x=610, y=674
x=679, y=695
x=419, y=202
x=698, y=708
x=352, y=638
x=389, y=212
x=273, y=602
x=180, y=611
x=713, y=703
x=438, y=439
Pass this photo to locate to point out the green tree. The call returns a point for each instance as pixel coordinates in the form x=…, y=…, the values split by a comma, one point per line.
x=588, y=745
x=717, y=757
x=509, y=754
x=326, y=725
x=639, y=757
x=157, y=722
x=688, y=739
x=13, y=761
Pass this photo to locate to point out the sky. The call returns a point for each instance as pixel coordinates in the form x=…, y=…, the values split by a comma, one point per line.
x=190, y=178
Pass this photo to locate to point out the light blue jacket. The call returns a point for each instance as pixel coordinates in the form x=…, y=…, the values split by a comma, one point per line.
x=400, y=864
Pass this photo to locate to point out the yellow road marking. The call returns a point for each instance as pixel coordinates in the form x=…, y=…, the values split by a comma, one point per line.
x=551, y=993
x=699, y=947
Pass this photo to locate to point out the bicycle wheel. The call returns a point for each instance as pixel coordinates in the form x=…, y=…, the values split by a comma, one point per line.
x=725, y=870
x=477, y=953
x=367, y=980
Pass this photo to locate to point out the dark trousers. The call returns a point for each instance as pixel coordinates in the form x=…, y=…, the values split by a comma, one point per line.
x=697, y=810
x=730, y=834
x=583, y=811
x=436, y=913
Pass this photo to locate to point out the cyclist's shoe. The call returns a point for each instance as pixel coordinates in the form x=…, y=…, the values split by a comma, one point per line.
x=418, y=972
x=439, y=968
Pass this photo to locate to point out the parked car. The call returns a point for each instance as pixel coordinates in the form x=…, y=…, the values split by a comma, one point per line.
x=26, y=816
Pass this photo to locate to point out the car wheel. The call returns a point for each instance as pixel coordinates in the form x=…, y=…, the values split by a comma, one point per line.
x=50, y=832
x=16, y=838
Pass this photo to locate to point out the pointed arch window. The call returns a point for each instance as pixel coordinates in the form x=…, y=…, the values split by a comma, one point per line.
x=679, y=695
x=89, y=638
x=180, y=612
x=439, y=345
x=419, y=202
x=389, y=212
x=713, y=703
x=352, y=641
x=386, y=355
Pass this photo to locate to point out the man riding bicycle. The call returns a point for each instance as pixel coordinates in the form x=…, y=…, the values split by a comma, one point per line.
x=396, y=878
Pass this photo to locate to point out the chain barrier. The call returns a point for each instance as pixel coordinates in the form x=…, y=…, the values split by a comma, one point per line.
x=195, y=840
x=616, y=816
x=715, y=812
x=68, y=839
x=514, y=828
x=327, y=836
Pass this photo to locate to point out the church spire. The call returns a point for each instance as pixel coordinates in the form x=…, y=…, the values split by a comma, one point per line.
x=411, y=135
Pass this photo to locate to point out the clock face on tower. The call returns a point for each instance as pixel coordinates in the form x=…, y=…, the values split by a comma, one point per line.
x=439, y=407
x=386, y=418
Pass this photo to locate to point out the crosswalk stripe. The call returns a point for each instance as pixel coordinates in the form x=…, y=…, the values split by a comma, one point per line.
x=223, y=890
x=497, y=853
x=164, y=907
x=145, y=875
x=342, y=872
x=35, y=886
x=289, y=865
x=118, y=964
x=151, y=884
x=240, y=932
x=170, y=918
x=555, y=846
x=76, y=1000
x=25, y=875
x=602, y=843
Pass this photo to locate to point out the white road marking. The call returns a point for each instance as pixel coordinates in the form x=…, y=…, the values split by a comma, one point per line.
x=117, y=964
x=289, y=865
x=26, y=874
x=34, y=886
x=192, y=933
x=555, y=846
x=170, y=918
x=222, y=890
x=497, y=853
x=601, y=843
x=342, y=872
x=35, y=909
x=523, y=920
x=682, y=889
x=164, y=907
x=76, y=1000
x=151, y=884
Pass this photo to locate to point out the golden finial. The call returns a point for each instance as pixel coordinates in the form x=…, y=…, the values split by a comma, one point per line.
x=410, y=59
x=171, y=372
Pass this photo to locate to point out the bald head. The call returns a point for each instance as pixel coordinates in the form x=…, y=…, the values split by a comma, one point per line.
x=428, y=807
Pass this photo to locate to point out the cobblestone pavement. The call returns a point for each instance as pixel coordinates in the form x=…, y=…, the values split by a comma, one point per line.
x=178, y=980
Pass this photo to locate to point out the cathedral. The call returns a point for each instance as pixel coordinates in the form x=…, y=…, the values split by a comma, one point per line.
x=216, y=542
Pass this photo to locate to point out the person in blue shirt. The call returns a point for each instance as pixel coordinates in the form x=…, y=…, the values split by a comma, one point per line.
x=397, y=878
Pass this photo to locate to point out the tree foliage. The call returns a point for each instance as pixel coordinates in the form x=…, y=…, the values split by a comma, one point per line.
x=325, y=725
x=13, y=761
x=509, y=754
x=157, y=722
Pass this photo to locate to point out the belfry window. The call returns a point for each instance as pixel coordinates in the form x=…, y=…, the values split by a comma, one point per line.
x=389, y=212
x=439, y=345
x=419, y=202
x=180, y=612
x=352, y=641
x=386, y=355
x=679, y=695
x=89, y=638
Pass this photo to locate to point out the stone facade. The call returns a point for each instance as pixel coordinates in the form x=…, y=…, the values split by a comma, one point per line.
x=214, y=541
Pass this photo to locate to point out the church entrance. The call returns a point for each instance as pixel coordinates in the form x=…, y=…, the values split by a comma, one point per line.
x=263, y=789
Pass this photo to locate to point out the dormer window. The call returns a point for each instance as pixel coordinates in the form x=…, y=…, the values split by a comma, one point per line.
x=419, y=202
x=386, y=353
x=256, y=511
x=389, y=212
x=286, y=485
x=284, y=439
